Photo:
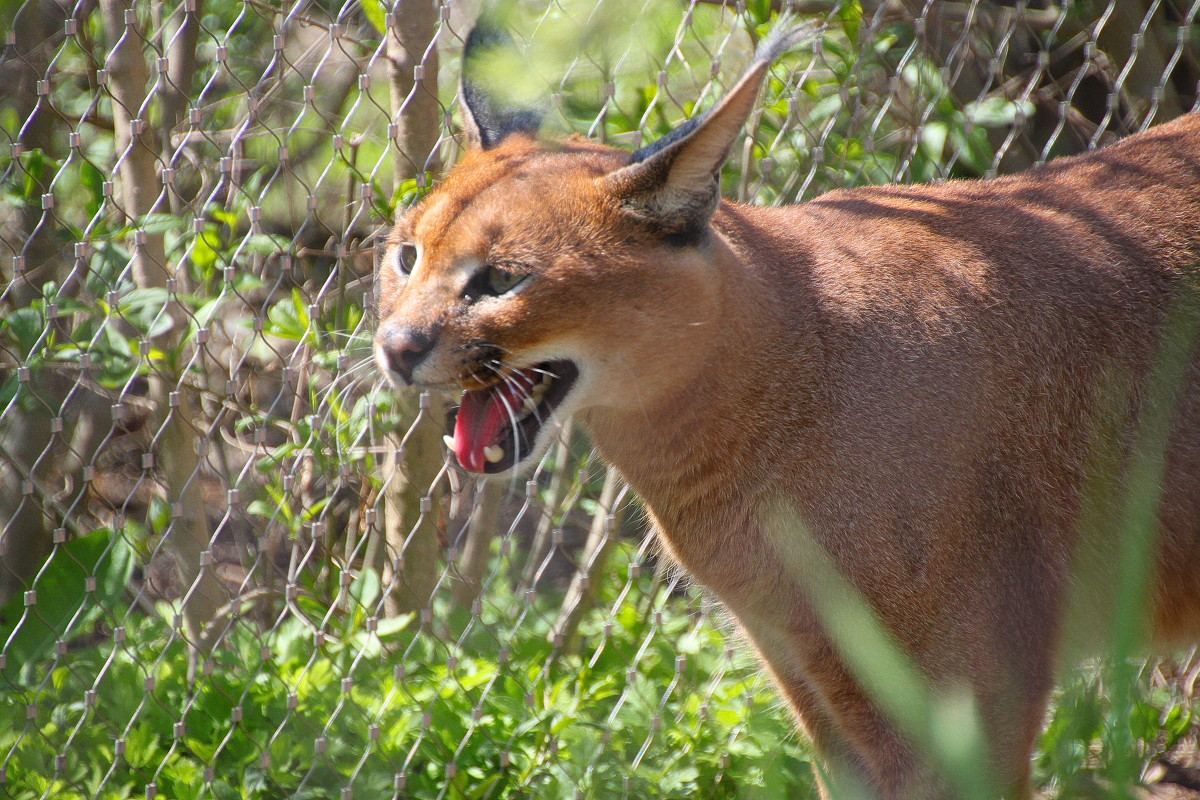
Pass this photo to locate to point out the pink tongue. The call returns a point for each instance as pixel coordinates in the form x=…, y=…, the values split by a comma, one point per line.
x=486, y=415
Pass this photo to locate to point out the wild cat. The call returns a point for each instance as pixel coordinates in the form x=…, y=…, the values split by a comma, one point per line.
x=933, y=393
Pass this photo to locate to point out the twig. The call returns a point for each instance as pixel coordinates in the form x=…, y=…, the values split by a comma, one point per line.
x=207, y=634
x=581, y=595
x=1038, y=18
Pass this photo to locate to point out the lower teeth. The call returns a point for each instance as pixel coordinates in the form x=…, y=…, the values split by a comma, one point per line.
x=493, y=453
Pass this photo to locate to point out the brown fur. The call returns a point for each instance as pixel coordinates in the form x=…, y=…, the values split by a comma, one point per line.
x=941, y=385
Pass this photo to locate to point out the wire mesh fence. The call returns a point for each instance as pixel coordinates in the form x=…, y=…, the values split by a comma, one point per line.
x=235, y=564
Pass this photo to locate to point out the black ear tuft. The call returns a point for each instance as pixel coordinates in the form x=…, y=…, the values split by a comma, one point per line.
x=674, y=183
x=486, y=125
x=663, y=142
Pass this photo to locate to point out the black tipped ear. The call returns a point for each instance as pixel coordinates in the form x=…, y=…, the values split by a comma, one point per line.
x=674, y=183
x=485, y=124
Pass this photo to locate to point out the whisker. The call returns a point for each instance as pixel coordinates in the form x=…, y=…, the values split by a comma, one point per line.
x=508, y=410
x=366, y=362
x=553, y=416
x=341, y=394
x=543, y=372
x=504, y=364
x=347, y=381
x=490, y=346
x=474, y=374
x=497, y=367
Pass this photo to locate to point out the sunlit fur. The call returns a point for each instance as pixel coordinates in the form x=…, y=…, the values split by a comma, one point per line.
x=941, y=385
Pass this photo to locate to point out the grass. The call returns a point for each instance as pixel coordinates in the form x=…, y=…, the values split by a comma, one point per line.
x=658, y=703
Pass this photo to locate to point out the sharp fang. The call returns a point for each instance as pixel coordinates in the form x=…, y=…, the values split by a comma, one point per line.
x=449, y=440
x=493, y=453
x=531, y=405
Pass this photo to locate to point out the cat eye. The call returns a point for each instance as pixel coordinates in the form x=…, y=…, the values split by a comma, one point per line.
x=493, y=281
x=406, y=258
x=502, y=281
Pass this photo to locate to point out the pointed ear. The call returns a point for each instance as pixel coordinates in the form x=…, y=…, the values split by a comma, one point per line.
x=674, y=183
x=485, y=124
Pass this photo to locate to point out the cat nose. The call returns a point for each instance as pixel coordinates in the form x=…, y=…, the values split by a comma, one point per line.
x=402, y=348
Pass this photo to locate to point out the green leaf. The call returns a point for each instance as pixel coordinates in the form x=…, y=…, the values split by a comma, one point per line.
x=25, y=325
x=1176, y=724
x=290, y=320
x=375, y=11
x=995, y=112
x=1144, y=722
x=142, y=747
x=974, y=149
x=851, y=15
x=933, y=139
x=224, y=215
x=36, y=166
x=92, y=180
x=365, y=588
x=62, y=605
x=204, y=253
x=390, y=626
x=264, y=244
x=759, y=11
x=161, y=223
x=8, y=391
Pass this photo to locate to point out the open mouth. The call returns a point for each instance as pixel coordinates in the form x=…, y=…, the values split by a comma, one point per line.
x=497, y=427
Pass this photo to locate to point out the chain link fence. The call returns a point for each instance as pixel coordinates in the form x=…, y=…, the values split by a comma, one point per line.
x=234, y=564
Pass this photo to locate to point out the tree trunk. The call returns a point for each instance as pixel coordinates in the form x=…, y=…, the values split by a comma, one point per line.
x=141, y=191
x=413, y=71
x=411, y=499
x=410, y=511
x=50, y=432
x=581, y=595
x=477, y=547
